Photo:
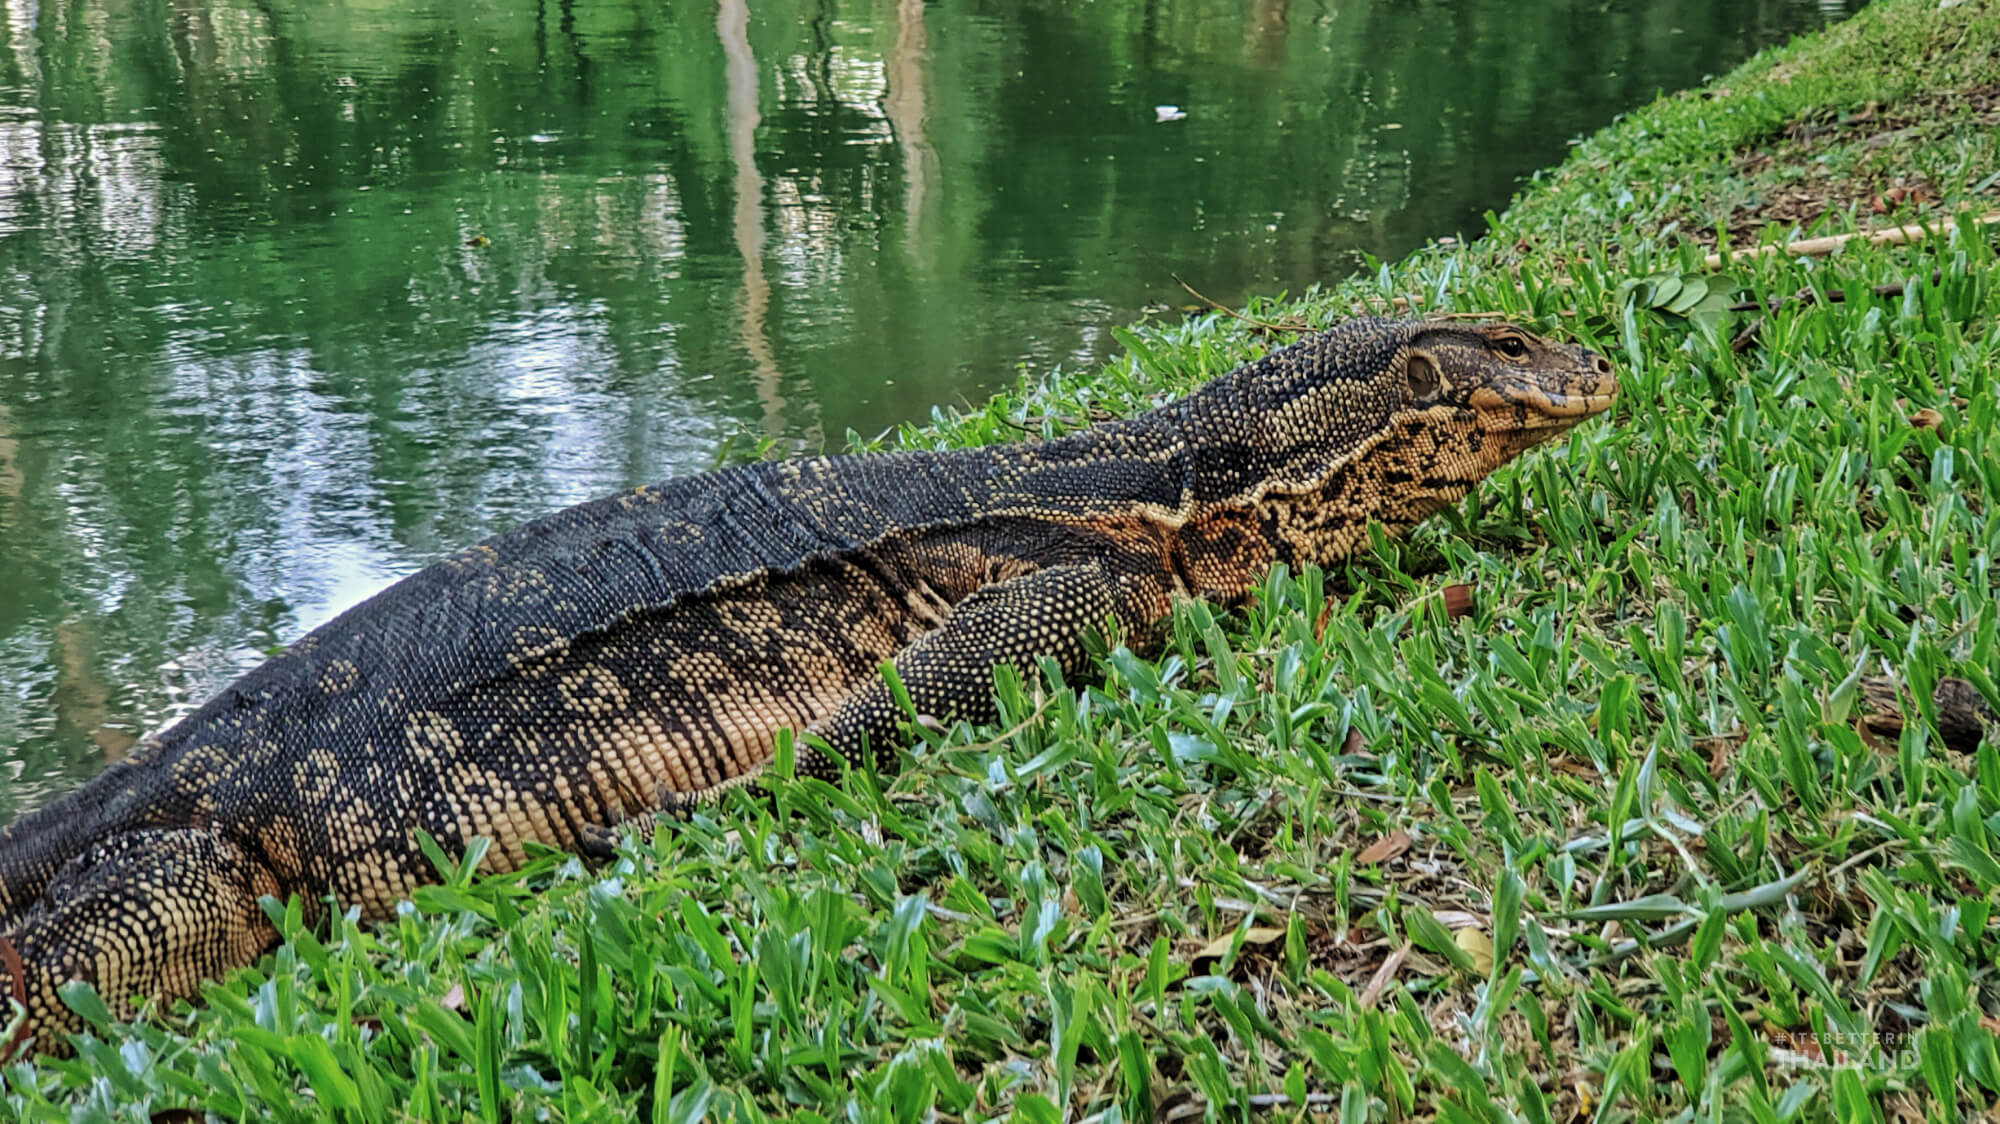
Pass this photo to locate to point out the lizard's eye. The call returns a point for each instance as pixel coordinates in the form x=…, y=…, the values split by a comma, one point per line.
x=1423, y=375
x=1511, y=347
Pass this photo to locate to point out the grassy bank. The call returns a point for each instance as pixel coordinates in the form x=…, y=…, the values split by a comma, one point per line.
x=1624, y=841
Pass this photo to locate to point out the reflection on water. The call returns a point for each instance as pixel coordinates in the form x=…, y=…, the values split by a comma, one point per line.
x=296, y=296
x=732, y=27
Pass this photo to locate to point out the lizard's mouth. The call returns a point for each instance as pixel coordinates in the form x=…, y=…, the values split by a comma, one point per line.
x=1527, y=405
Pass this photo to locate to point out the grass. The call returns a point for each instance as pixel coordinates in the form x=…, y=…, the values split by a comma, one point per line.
x=1619, y=843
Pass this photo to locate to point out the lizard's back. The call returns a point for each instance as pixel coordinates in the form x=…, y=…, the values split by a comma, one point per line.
x=553, y=677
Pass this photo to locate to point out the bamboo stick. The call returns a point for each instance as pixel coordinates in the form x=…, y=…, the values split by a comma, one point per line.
x=1814, y=247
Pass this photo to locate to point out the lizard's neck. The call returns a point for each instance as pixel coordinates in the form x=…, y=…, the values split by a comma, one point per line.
x=1413, y=467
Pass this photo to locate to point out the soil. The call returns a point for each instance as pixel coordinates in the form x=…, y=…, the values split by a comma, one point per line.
x=1801, y=188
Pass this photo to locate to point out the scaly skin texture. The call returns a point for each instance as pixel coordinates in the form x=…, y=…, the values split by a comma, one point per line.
x=642, y=651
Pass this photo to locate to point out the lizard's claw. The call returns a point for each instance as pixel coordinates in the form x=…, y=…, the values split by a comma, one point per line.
x=597, y=841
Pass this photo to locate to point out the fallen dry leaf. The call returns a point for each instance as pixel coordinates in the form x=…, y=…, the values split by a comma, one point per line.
x=1477, y=945
x=1384, y=976
x=1721, y=749
x=1576, y=768
x=1219, y=947
x=1457, y=601
x=1384, y=849
x=1926, y=418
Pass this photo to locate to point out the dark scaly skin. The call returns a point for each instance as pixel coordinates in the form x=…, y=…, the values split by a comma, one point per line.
x=643, y=650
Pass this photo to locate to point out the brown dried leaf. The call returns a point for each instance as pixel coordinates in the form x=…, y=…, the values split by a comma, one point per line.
x=11, y=960
x=1384, y=976
x=1799, y=1042
x=1722, y=750
x=1181, y=1104
x=1926, y=418
x=1384, y=849
x=1353, y=744
x=1574, y=768
x=454, y=1000
x=1457, y=601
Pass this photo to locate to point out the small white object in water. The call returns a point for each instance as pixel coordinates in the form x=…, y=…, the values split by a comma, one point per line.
x=1168, y=113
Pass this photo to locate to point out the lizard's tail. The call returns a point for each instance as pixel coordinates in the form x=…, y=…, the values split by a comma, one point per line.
x=34, y=848
x=149, y=913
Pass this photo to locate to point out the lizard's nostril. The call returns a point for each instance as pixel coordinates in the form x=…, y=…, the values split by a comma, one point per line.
x=1603, y=365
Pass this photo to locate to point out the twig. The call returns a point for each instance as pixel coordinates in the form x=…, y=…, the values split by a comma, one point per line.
x=1280, y=1100
x=1747, y=338
x=10, y=959
x=1263, y=325
x=1857, y=860
x=1405, y=304
x=1816, y=247
x=1833, y=296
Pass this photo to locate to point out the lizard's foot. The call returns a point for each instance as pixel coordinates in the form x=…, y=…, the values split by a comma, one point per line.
x=600, y=841
x=681, y=805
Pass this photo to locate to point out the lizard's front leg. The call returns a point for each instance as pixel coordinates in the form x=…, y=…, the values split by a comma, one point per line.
x=947, y=674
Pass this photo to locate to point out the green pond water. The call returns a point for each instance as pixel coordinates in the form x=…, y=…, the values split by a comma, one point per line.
x=295, y=297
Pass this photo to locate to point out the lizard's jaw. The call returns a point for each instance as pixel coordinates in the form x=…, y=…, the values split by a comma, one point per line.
x=1527, y=405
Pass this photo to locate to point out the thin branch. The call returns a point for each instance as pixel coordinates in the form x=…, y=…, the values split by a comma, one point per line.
x=11, y=960
x=1262, y=325
x=1833, y=296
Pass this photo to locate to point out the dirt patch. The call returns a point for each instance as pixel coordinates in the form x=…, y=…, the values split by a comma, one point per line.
x=1847, y=161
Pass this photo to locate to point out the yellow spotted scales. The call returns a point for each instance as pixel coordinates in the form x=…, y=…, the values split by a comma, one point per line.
x=643, y=650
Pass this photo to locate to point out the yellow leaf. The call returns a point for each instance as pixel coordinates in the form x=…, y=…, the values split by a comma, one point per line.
x=1218, y=947
x=1477, y=945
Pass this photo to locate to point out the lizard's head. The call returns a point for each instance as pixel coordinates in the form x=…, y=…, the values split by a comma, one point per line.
x=1498, y=388
x=1472, y=396
x=1382, y=420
